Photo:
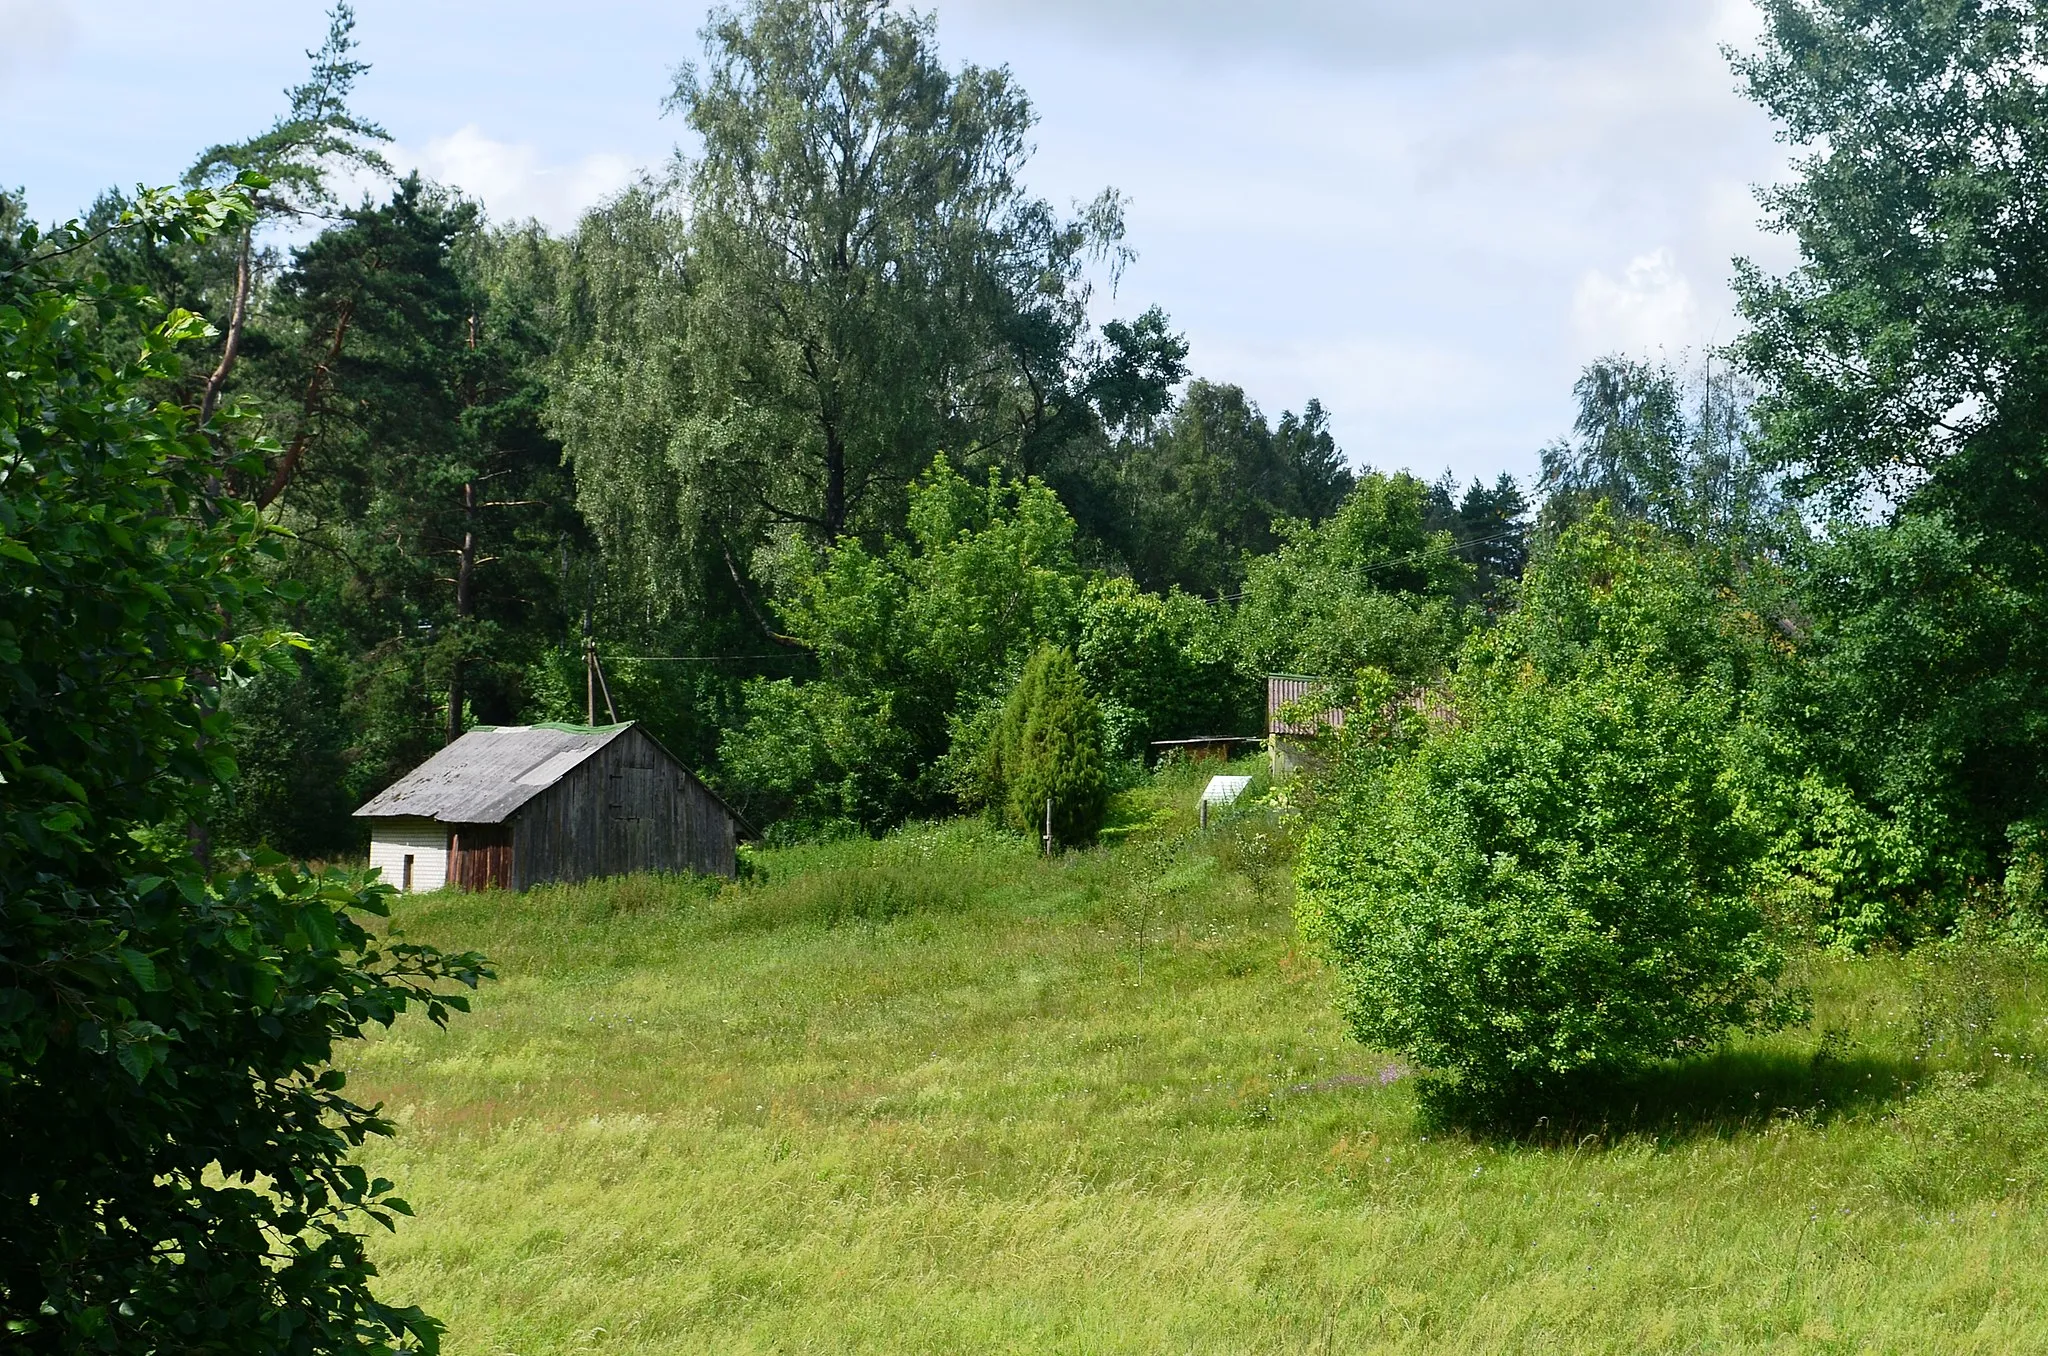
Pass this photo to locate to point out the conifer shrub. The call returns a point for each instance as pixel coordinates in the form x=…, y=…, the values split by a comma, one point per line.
x=1047, y=742
x=1554, y=889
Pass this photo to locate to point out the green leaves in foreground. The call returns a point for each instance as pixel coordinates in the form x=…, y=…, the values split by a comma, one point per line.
x=174, y=1142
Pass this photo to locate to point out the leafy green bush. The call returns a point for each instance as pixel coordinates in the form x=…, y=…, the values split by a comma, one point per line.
x=1048, y=745
x=813, y=761
x=176, y=1150
x=1558, y=886
x=1838, y=865
x=1840, y=869
x=1162, y=667
x=1914, y=712
x=1371, y=586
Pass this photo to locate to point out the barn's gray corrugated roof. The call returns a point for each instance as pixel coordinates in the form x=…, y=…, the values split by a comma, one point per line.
x=485, y=776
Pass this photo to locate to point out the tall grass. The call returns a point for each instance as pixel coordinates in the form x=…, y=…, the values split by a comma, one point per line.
x=937, y=1094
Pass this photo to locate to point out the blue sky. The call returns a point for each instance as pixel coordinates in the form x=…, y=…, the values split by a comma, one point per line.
x=1428, y=215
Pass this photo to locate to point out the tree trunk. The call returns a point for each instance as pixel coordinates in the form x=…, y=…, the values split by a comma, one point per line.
x=238, y=318
x=835, y=484
x=316, y=390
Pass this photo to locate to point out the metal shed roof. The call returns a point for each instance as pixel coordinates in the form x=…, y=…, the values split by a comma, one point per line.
x=485, y=776
x=1225, y=790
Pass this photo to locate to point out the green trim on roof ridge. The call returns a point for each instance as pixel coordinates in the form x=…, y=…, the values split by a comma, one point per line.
x=560, y=726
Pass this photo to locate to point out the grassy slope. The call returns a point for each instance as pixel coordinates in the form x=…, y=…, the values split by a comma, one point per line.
x=932, y=1095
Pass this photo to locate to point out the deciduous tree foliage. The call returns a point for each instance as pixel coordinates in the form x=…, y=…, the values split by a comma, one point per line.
x=1900, y=382
x=1903, y=350
x=1563, y=879
x=1371, y=587
x=937, y=626
x=1163, y=666
x=1912, y=722
x=174, y=1140
x=619, y=392
x=1669, y=448
x=871, y=282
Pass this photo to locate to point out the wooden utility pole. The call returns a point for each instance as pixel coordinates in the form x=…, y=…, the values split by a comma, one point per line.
x=593, y=680
x=465, y=603
x=604, y=685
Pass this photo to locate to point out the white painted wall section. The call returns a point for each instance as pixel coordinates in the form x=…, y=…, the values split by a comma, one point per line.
x=425, y=841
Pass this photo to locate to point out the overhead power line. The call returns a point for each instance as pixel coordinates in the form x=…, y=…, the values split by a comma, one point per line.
x=698, y=658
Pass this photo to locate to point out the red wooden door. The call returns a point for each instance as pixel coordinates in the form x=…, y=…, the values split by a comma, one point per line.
x=480, y=857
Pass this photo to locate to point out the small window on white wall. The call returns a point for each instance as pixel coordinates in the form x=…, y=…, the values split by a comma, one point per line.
x=407, y=887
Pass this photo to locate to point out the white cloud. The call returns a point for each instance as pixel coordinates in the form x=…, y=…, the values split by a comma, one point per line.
x=34, y=35
x=512, y=180
x=1651, y=306
x=1426, y=214
x=1402, y=401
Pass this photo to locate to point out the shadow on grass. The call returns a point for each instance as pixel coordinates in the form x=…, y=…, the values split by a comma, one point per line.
x=1732, y=1093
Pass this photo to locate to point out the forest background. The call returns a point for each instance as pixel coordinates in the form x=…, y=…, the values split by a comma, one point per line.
x=813, y=436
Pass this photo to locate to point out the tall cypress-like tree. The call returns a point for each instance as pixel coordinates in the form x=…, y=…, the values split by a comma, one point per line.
x=1048, y=752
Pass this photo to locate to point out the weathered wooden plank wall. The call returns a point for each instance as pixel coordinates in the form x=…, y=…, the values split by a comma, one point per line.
x=628, y=808
x=480, y=856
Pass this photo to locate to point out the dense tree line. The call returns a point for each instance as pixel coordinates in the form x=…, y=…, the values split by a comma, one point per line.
x=814, y=435
x=817, y=422
x=815, y=438
x=699, y=429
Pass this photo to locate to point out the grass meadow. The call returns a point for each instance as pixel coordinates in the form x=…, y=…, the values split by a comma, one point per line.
x=933, y=1094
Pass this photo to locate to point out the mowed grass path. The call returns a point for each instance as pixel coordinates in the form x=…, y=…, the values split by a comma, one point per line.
x=933, y=1095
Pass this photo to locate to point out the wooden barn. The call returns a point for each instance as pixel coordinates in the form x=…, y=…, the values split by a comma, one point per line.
x=517, y=806
x=1290, y=739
